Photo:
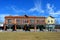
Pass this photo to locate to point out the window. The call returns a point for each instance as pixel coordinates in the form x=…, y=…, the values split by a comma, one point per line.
x=9, y=21
x=43, y=21
x=18, y=21
x=48, y=21
x=51, y=20
x=18, y=26
x=37, y=21
x=40, y=20
x=32, y=21
x=25, y=21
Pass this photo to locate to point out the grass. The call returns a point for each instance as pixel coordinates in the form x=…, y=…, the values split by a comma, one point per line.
x=29, y=36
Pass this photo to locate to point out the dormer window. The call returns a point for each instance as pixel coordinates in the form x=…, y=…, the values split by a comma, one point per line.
x=51, y=20
x=48, y=21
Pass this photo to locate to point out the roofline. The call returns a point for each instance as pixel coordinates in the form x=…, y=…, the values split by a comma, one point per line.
x=24, y=16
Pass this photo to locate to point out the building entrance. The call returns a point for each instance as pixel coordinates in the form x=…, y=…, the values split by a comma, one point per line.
x=10, y=27
x=26, y=27
x=40, y=27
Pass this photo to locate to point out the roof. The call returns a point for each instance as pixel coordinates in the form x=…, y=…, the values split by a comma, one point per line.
x=51, y=16
x=24, y=16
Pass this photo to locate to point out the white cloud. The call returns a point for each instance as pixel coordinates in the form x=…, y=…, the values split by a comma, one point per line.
x=57, y=20
x=55, y=13
x=3, y=15
x=51, y=11
x=14, y=14
x=37, y=7
x=17, y=10
x=14, y=9
x=49, y=6
x=32, y=9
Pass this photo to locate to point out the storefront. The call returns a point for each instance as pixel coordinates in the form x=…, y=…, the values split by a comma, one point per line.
x=40, y=27
x=10, y=27
x=50, y=27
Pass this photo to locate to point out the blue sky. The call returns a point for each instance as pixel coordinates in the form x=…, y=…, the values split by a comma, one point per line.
x=30, y=8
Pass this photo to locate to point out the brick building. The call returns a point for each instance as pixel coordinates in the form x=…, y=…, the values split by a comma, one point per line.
x=23, y=22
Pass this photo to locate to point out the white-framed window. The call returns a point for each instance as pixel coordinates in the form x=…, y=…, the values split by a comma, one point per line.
x=25, y=21
x=32, y=21
x=48, y=21
x=9, y=21
x=41, y=20
x=52, y=21
x=18, y=21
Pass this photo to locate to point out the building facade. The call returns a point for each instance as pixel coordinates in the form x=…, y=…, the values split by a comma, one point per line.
x=50, y=23
x=24, y=22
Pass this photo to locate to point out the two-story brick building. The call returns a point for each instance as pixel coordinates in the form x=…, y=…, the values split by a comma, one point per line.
x=23, y=22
